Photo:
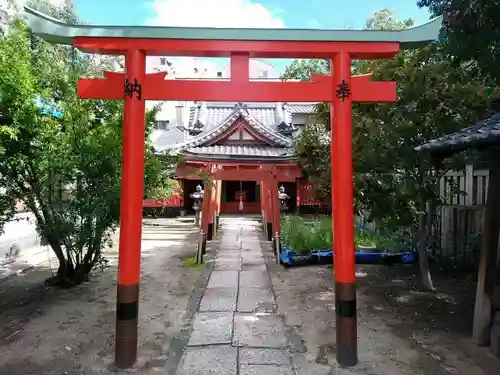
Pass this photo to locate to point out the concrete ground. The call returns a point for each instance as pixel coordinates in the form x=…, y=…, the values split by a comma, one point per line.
x=401, y=330
x=49, y=331
x=241, y=314
x=237, y=329
x=258, y=318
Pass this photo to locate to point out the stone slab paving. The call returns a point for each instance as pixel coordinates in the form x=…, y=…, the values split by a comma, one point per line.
x=237, y=330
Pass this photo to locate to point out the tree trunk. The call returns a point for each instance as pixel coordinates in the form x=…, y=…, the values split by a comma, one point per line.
x=425, y=230
x=488, y=258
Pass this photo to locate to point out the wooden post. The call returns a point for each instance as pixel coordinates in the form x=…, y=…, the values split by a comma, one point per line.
x=269, y=210
x=264, y=203
x=212, y=210
x=298, y=182
x=275, y=204
x=205, y=214
x=469, y=185
x=129, y=261
x=218, y=203
x=343, y=211
x=488, y=262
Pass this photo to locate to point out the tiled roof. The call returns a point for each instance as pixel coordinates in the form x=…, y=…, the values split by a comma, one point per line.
x=485, y=132
x=216, y=117
x=163, y=139
x=241, y=152
x=301, y=107
x=217, y=114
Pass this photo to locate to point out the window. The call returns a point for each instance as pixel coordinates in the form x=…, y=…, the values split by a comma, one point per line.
x=219, y=74
x=163, y=60
x=263, y=74
x=161, y=125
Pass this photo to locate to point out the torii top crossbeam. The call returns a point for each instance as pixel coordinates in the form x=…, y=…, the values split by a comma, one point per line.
x=298, y=43
x=240, y=45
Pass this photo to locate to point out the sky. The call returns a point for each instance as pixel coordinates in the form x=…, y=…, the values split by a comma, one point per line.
x=317, y=14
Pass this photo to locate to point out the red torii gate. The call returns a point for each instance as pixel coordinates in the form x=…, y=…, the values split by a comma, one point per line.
x=267, y=175
x=134, y=86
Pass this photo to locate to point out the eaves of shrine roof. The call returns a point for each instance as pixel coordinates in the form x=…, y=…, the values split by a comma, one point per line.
x=59, y=32
x=240, y=153
x=484, y=133
x=219, y=119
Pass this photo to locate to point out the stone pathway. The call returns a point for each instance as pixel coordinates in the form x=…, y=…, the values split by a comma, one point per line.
x=236, y=329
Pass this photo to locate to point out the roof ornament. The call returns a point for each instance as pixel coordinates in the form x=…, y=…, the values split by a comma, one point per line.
x=284, y=128
x=241, y=106
x=200, y=119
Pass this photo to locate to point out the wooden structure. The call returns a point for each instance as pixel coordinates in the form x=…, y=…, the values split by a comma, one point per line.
x=134, y=86
x=484, y=135
x=235, y=134
x=459, y=218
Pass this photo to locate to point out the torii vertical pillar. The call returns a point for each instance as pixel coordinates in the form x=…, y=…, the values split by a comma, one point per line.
x=213, y=209
x=343, y=212
x=266, y=201
x=275, y=213
x=132, y=187
x=218, y=202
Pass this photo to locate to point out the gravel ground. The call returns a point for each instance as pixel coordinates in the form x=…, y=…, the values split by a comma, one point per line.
x=401, y=330
x=51, y=331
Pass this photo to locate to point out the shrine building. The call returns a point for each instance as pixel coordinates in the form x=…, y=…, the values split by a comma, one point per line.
x=235, y=134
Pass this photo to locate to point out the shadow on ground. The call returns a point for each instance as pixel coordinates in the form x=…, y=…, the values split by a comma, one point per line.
x=440, y=323
x=47, y=330
x=401, y=329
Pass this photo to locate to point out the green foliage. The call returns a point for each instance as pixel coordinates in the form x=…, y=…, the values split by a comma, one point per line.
x=302, y=69
x=305, y=236
x=67, y=171
x=435, y=97
x=471, y=32
x=313, y=151
x=190, y=262
x=384, y=242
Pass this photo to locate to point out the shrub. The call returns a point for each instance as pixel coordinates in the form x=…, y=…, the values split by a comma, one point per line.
x=303, y=237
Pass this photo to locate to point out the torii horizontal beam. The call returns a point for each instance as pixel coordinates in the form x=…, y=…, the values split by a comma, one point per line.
x=156, y=87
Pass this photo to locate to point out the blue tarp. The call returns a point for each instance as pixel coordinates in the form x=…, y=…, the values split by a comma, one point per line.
x=289, y=258
x=48, y=109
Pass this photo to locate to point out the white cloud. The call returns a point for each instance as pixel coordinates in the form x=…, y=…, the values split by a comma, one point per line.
x=214, y=13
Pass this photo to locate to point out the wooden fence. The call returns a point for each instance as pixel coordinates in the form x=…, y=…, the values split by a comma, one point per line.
x=458, y=228
x=467, y=187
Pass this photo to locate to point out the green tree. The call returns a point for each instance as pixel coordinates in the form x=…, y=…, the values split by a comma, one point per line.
x=68, y=170
x=309, y=144
x=471, y=32
x=392, y=182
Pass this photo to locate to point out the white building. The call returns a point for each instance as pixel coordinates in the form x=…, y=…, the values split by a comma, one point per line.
x=196, y=68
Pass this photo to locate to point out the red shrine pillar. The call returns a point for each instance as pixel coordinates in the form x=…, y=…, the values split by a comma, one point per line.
x=218, y=199
x=275, y=204
x=132, y=187
x=263, y=206
x=205, y=219
x=343, y=211
x=213, y=208
x=270, y=210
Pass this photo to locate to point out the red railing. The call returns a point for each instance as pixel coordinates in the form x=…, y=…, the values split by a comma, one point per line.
x=304, y=196
x=174, y=200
